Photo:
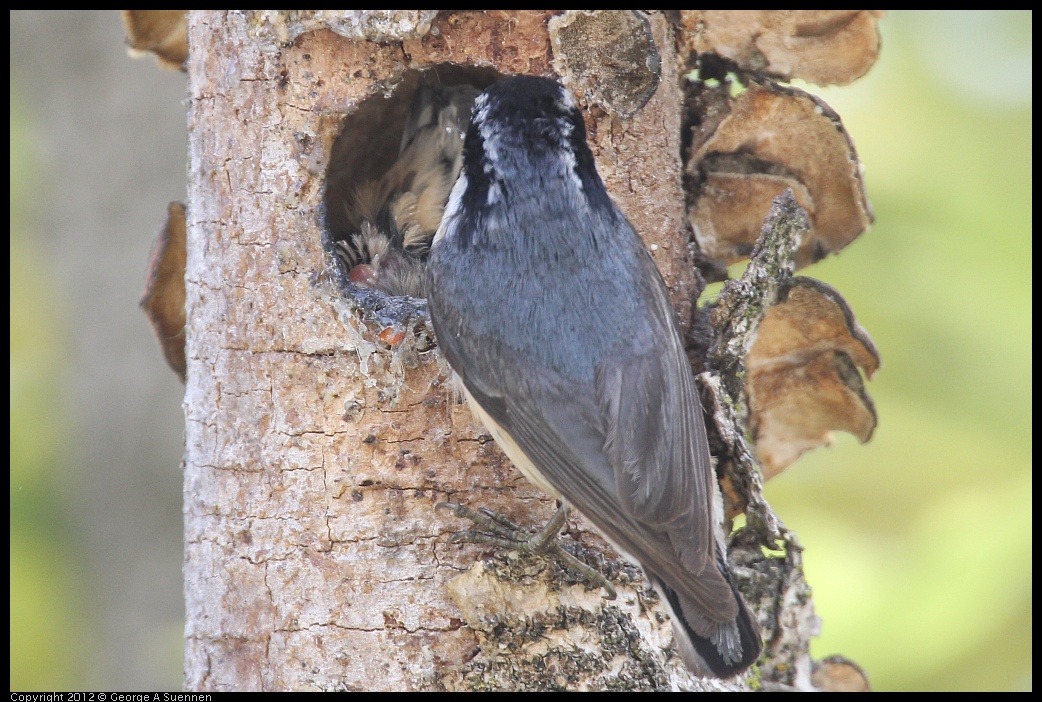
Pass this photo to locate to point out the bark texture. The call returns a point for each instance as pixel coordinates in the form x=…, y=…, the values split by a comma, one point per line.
x=315, y=454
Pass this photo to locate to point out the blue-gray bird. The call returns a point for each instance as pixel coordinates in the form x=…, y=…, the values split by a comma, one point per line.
x=551, y=311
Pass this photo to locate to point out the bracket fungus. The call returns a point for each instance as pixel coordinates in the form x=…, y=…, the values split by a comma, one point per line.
x=804, y=374
x=826, y=47
x=164, y=298
x=749, y=148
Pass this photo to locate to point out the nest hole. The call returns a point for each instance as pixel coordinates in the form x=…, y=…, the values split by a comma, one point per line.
x=368, y=147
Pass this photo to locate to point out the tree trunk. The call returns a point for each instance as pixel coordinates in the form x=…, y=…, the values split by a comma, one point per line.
x=315, y=453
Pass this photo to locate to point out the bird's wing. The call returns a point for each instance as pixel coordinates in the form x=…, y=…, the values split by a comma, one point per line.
x=628, y=453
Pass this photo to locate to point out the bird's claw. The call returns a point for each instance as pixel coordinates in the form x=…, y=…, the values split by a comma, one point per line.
x=497, y=530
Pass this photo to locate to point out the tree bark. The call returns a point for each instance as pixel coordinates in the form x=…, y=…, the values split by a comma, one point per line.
x=315, y=454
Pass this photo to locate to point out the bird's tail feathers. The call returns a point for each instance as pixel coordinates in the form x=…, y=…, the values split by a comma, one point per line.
x=712, y=648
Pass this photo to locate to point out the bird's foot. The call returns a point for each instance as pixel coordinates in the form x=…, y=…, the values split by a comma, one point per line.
x=497, y=530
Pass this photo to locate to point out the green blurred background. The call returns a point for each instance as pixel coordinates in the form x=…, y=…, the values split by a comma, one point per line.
x=918, y=543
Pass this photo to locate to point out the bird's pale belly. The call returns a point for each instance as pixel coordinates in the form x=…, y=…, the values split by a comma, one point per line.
x=511, y=449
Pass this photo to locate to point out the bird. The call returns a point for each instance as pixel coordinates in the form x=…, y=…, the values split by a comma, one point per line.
x=553, y=316
x=392, y=219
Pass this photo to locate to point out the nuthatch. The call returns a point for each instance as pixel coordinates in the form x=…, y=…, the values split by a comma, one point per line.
x=551, y=311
